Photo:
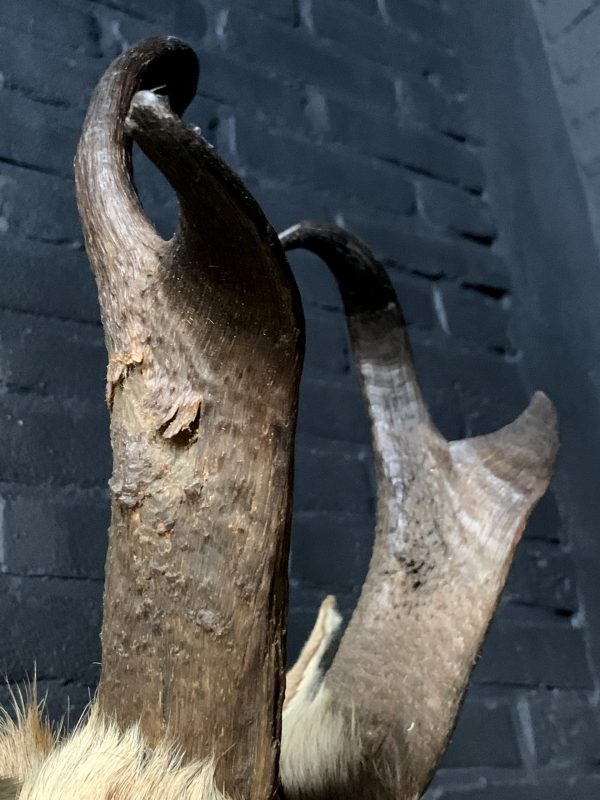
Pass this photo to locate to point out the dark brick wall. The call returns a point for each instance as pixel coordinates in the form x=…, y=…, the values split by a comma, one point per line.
x=353, y=111
x=570, y=33
x=545, y=217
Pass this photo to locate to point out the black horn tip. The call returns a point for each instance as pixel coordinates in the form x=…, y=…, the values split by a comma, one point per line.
x=172, y=69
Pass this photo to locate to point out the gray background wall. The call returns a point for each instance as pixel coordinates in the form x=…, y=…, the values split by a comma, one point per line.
x=456, y=142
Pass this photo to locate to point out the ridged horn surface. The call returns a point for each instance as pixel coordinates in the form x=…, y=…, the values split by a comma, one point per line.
x=205, y=339
x=449, y=515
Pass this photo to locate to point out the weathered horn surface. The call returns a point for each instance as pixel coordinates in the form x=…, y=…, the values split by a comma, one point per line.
x=205, y=339
x=449, y=515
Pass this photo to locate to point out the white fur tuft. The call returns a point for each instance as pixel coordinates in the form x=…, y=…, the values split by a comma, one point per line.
x=320, y=745
x=97, y=762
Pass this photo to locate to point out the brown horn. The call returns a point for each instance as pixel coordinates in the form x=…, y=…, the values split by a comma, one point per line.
x=205, y=339
x=449, y=515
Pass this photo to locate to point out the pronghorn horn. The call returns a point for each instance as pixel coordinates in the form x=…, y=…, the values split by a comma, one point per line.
x=449, y=516
x=205, y=339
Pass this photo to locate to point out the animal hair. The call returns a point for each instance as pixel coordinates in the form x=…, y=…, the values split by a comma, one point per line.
x=320, y=745
x=26, y=739
x=96, y=762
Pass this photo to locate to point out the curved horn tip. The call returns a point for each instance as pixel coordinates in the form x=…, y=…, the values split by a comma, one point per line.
x=310, y=228
x=145, y=101
x=523, y=452
x=537, y=428
x=541, y=405
x=168, y=63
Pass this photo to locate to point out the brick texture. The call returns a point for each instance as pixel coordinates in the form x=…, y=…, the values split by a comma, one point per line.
x=345, y=111
x=570, y=33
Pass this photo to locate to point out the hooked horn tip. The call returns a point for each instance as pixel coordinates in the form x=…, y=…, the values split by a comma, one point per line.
x=171, y=66
x=522, y=453
x=537, y=427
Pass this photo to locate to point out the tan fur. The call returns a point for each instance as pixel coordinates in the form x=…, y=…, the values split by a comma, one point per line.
x=320, y=746
x=303, y=674
x=25, y=740
x=97, y=762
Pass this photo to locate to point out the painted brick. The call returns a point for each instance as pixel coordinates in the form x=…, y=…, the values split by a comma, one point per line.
x=334, y=411
x=366, y=6
x=453, y=210
x=295, y=54
x=371, y=39
x=333, y=113
x=327, y=345
x=63, y=534
x=472, y=316
x=244, y=86
x=334, y=170
x=47, y=279
x=473, y=746
x=435, y=155
x=42, y=72
x=424, y=253
x=558, y=17
x=415, y=298
x=37, y=134
x=47, y=442
x=117, y=31
x=577, y=51
x=325, y=549
x=331, y=481
x=553, y=656
x=56, y=23
x=51, y=623
x=584, y=788
x=566, y=727
x=543, y=575
x=285, y=206
x=545, y=521
x=285, y=11
x=420, y=102
x=151, y=10
x=422, y=21
x=317, y=285
x=479, y=376
x=79, y=354
x=368, y=36
x=37, y=206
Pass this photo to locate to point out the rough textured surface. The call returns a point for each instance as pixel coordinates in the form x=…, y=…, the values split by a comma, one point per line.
x=320, y=124
x=569, y=32
x=205, y=340
x=449, y=516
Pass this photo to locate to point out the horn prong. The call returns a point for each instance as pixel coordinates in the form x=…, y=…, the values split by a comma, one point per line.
x=449, y=516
